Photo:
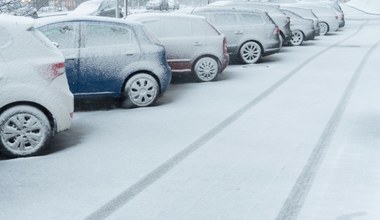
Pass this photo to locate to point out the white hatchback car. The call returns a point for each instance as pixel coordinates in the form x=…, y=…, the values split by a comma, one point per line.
x=36, y=102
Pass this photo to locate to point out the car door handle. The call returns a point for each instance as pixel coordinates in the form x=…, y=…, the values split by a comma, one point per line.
x=197, y=44
x=238, y=32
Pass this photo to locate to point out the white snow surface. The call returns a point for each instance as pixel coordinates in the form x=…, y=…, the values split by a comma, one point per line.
x=367, y=6
x=245, y=167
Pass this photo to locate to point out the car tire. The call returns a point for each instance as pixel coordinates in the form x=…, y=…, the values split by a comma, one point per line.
x=324, y=28
x=140, y=90
x=297, y=38
x=24, y=131
x=206, y=69
x=250, y=52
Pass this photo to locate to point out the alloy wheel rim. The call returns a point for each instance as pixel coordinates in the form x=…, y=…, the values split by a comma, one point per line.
x=323, y=29
x=251, y=52
x=296, y=38
x=207, y=69
x=23, y=132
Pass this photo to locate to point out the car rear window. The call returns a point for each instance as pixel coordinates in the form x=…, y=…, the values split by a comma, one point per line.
x=203, y=28
x=185, y=27
x=101, y=34
x=43, y=39
x=61, y=33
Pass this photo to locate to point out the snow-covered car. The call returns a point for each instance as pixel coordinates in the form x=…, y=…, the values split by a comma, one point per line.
x=36, y=102
x=104, y=8
x=305, y=13
x=251, y=34
x=109, y=57
x=302, y=28
x=273, y=11
x=328, y=19
x=157, y=5
x=173, y=4
x=195, y=47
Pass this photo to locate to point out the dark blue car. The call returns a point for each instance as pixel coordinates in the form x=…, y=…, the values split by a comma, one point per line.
x=108, y=56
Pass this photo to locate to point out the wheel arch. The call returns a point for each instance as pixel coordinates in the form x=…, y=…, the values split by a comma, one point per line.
x=138, y=72
x=207, y=55
x=251, y=40
x=40, y=107
x=327, y=24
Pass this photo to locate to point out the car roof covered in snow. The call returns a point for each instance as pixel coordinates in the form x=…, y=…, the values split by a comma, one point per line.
x=139, y=16
x=67, y=18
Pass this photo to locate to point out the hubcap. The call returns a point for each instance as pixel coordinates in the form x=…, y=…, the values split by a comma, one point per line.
x=143, y=91
x=323, y=29
x=251, y=52
x=22, y=132
x=296, y=38
x=207, y=69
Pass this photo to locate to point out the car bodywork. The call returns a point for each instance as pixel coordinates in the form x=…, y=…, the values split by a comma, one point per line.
x=101, y=54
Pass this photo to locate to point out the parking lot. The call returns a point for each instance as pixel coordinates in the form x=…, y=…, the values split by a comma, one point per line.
x=294, y=136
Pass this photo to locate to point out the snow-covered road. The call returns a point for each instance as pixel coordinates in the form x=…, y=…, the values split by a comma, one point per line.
x=294, y=136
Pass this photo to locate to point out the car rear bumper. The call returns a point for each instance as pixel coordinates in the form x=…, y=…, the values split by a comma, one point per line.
x=62, y=105
x=224, y=62
x=310, y=34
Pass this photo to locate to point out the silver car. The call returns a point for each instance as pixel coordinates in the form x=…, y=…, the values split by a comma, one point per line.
x=273, y=11
x=328, y=20
x=250, y=34
x=302, y=29
x=197, y=47
x=305, y=13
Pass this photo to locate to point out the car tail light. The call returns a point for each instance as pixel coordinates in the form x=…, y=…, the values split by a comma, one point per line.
x=276, y=31
x=54, y=70
x=224, y=46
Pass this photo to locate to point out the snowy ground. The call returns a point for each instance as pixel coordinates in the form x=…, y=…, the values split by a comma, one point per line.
x=294, y=136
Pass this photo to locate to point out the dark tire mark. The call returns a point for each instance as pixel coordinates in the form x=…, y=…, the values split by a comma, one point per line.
x=127, y=195
x=296, y=199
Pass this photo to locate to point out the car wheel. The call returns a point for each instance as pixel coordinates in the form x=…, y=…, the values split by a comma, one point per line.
x=24, y=131
x=250, y=52
x=324, y=28
x=297, y=38
x=140, y=90
x=206, y=69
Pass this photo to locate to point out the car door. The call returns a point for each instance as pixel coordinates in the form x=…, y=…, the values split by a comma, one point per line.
x=66, y=36
x=107, y=49
x=226, y=22
x=181, y=46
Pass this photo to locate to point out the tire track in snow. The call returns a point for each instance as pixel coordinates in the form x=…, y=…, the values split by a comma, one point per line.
x=296, y=199
x=131, y=192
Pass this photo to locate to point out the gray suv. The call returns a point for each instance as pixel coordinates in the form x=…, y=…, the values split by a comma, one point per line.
x=250, y=34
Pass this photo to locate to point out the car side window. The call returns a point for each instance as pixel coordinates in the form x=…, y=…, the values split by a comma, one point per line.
x=223, y=19
x=155, y=27
x=250, y=19
x=182, y=27
x=99, y=34
x=61, y=33
x=202, y=27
